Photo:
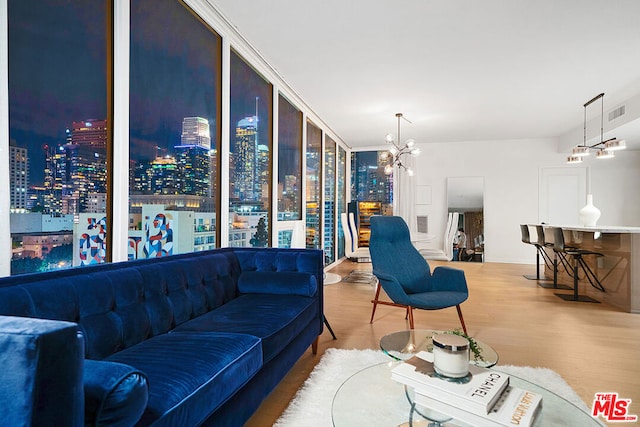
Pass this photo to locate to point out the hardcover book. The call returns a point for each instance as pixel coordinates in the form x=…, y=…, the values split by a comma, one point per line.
x=478, y=392
x=516, y=407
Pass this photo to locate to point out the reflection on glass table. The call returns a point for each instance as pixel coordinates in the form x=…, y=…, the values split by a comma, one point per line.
x=403, y=345
x=370, y=397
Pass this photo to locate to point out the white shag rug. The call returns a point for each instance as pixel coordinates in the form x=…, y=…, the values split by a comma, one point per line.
x=312, y=404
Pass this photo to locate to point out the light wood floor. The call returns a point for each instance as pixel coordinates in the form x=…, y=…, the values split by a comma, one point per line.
x=595, y=347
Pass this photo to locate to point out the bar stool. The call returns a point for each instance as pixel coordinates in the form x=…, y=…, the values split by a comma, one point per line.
x=552, y=263
x=526, y=238
x=578, y=261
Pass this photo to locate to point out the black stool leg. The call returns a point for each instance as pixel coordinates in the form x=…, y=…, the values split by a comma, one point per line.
x=555, y=284
x=537, y=276
x=575, y=296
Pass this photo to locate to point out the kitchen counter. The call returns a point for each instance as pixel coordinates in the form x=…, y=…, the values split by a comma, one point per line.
x=618, y=270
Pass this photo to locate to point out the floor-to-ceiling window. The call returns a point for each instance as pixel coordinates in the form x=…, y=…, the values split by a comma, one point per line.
x=59, y=130
x=61, y=110
x=341, y=190
x=289, y=161
x=174, y=132
x=289, y=172
x=314, y=186
x=329, y=200
x=250, y=140
x=368, y=180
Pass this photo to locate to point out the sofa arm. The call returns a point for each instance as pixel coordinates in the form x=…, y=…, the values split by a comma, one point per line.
x=42, y=362
x=278, y=282
x=116, y=394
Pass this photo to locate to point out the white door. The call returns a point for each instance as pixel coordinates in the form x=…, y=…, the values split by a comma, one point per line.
x=562, y=193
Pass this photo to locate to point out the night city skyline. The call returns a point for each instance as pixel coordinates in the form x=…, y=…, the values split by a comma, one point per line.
x=59, y=111
x=165, y=87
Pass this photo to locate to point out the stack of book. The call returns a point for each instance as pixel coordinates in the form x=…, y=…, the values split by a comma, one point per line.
x=483, y=398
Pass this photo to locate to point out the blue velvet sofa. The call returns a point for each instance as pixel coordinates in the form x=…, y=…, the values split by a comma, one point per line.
x=187, y=340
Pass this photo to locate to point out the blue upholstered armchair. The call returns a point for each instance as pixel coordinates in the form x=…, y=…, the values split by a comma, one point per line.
x=406, y=276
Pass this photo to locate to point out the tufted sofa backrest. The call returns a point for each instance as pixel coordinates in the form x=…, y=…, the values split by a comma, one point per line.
x=121, y=304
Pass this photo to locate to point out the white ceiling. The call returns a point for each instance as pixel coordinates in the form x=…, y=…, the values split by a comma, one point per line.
x=460, y=70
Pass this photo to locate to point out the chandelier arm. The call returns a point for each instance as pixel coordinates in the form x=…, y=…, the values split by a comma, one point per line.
x=583, y=149
x=602, y=119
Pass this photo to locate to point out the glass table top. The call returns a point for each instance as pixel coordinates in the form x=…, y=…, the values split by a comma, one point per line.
x=370, y=397
x=403, y=345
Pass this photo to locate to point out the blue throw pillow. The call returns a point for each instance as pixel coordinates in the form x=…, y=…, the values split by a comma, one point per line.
x=279, y=283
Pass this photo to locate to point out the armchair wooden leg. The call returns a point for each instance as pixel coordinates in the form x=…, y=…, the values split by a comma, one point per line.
x=410, y=310
x=375, y=302
x=464, y=328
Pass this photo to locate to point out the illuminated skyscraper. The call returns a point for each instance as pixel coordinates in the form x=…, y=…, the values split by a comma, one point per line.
x=165, y=177
x=194, y=157
x=55, y=178
x=18, y=178
x=194, y=166
x=86, y=164
x=246, y=160
x=195, y=131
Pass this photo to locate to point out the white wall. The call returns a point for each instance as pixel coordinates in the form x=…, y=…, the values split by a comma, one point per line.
x=615, y=188
x=511, y=175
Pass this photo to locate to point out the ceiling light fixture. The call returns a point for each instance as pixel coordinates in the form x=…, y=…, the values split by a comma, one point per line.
x=397, y=151
x=604, y=149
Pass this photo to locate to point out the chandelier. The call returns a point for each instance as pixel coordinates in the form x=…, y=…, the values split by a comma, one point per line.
x=604, y=149
x=397, y=152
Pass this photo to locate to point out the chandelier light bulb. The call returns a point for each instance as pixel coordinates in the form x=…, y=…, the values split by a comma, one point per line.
x=615, y=144
x=388, y=169
x=393, y=151
x=384, y=155
x=581, y=151
x=415, y=152
x=604, y=154
x=409, y=172
x=410, y=143
x=389, y=138
x=572, y=160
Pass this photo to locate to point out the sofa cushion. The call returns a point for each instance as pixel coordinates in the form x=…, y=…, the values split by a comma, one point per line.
x=282, y=283
x=275, y=319
x=114, y=394
x=191, y=374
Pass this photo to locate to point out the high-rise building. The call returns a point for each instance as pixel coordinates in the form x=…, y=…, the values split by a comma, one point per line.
x=86, y=166
x=55, y=178
x=165, y=176
x=141, y=171
x=194, y=157
x=246, y=160
x=195, y=131
x=18, y=178
x=194, y=169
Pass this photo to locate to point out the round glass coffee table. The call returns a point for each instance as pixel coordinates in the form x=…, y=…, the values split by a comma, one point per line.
x=370, y=397
x=403, y=345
